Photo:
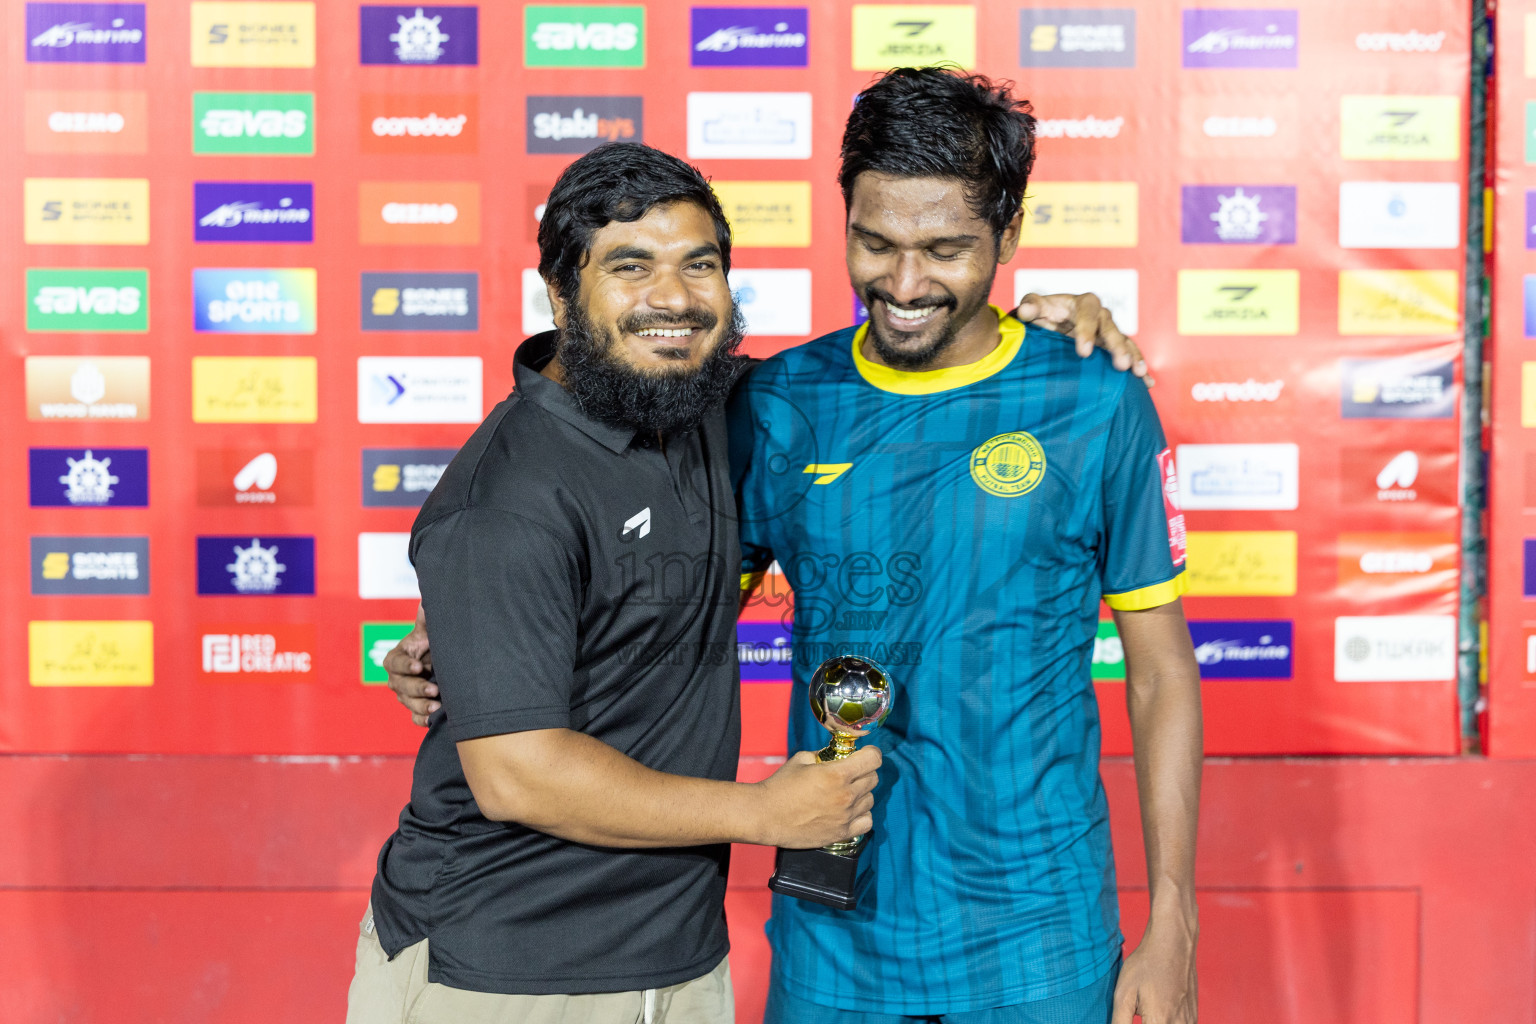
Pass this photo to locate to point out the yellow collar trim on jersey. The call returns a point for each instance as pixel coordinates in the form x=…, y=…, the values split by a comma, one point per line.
x=929, y=382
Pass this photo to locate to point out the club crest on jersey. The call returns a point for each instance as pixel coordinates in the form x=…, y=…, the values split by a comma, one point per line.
x=1009, y=464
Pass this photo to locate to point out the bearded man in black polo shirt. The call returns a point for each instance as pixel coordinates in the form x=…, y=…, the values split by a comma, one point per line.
x=563, y=855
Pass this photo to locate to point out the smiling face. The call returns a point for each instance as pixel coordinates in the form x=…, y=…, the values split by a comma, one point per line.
x=923, y=262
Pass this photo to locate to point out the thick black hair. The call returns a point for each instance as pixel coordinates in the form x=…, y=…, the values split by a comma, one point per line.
x=617, y=181
x=942, y=123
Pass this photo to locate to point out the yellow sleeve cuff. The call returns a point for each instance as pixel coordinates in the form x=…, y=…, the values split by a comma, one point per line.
x=750, y=580
x=1155, y=596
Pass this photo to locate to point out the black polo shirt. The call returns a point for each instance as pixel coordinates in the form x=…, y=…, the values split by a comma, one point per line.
x=579, y=576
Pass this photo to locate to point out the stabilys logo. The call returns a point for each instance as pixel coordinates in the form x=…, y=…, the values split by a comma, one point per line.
x=420, y=302
x=1402, y=215
x=1239, y=38
x=749, y=37
x=85, y=33
x=1396, y=127
x=87, y=300
x=1405, y=387
x=437, y=123
x=86, y=211
x=1394, y=648
x=1243, y=648
x=233, y=123
x=1008, y=465
x=1088, y=214
x=88, y=477
x=749, y=125
x=419, y=389
x=253, y=211
x=1239, y=214
x=1239, y=476
x=90, y=653
x=1076, y=37
x=255, y=566
x=771, y=214
x=244, y=34
x=241, y=477
x=95, y=121
x=420, y=36
x=402, y=477
x=1239, y=301
x=562, y=36
x=90, y=565
x=254, y=389
x=251, y=300
x=576, y=124
x=1399, y=302
x=87, y=388
x=271, y=653
x=907, y=35
x=1412, y=41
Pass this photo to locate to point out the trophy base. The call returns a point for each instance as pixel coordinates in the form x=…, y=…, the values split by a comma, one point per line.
x=831, y=879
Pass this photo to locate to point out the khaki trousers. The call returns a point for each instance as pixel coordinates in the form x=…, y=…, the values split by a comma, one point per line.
x=397, y=991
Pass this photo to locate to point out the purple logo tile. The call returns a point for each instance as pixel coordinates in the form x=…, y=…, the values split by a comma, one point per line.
x=85, y=33
x=1529, y=573
x=253, y=211
x=749, y=37
x=1239, y=214
x=92, y=477
x=420, y=35
x=256, y=566
x=1243, y=649
x=1240, y=38
x=765, y=650
x=1530, y=219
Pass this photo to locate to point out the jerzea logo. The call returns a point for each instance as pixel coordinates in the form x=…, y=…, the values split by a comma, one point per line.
x=419, y=123
x=1239, y=301
x=576, y=124
x=1399, y=302
x=254, y=389
x=276, y=653
x=402, y=477
x=87, y=387
x=420, y=35
x=903, y=35
x=90, y=565
x=378, y=639
x=88, y=477
x=85, y=33
x=749, y=125
x=90, y=653
x=421, y=302
x=86, y=211
x=749, y=37
x=1077, y=37
x=236, y=477
x=253, y=211
x=1400, y=127
x=96, y=121
x=87, y=300
x=1239, y=214
x=560, y=36
x=242, y=34
x=1238, y=38
x=1097, y=214
x=1242, y=648
x=256, y=566
x=274, y=123
x=1239, y=476
x=1403, y=215
x=1407, y=387
x=254, y=301
x=419, y=389
x=384, y=570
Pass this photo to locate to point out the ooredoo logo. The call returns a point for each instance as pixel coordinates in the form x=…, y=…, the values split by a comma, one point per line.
x=437, y=123
x=1412, y=41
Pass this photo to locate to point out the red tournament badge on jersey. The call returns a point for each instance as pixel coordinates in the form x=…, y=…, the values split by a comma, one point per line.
x=1177, y=543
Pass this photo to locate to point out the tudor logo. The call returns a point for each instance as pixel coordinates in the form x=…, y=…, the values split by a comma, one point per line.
x=637, y=525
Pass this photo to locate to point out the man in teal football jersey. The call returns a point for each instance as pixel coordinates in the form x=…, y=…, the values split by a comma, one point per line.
x=950, y=492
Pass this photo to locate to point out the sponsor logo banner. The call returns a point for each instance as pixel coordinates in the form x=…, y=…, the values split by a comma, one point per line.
x=572, y=36
x=1243, y=648
x=252, y=300
x=1529, y=287
x=265, y=477
x=1404, y=387
x=87, y=300
x=99, y=121
x=418, y=212
x=1238, y=126
x=1118, y=290
x=379, y=638
x=384, y=569
x=1394, y=648
x=1530, y=131
x=436, y=123
x=1400, y=127
x=402, y=477
x=1108, y=653
x=1528, y=385
x=1401, y=215
x=266, y=652
x=265, y=34
x=749, y=125
x=1384, y=477
x=420, y=302
x=85, y=33
x=776, y=303
x=254, y=389
x=1221, y=391
x=1077, y=37
x=1399, y=302
x=90, y=652
x=90, y=565
x=1089, y=214
x=1086, y=126
x=1239, y=38
x=749, y=37
x=1242, y=563
x=253, y=211
x=87, y=387
x=420, y=36
x=538, y=315
x=88, y=477
x=576, y=124
x=1239, y=214
x=1239, y=301
x=272, y=123
x=768, y=214
x=765, y=650
x=86, y=211
x=1379, y=566
x=533, y=209
x=250, y=566
x=889, y=36
x=1412, y=41
x=1239, y=476
x=1173, y=508
x=419, y=389
x=1529, y=572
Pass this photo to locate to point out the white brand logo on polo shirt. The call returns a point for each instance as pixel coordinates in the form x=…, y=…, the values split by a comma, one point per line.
x=640, y=521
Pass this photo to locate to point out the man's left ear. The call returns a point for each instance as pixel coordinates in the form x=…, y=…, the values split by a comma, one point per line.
x=1008, y=243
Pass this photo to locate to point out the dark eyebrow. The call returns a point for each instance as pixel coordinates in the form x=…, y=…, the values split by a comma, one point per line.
x=628, y=252
x=707, y=249
x=928, y=243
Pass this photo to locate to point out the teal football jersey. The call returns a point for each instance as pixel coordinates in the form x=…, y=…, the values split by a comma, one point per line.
x=959, y=527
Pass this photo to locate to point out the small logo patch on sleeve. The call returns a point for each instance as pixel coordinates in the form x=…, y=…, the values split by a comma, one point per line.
x=1177, y=542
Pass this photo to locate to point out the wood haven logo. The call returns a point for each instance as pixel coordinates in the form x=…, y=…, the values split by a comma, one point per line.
x=418, y=212
x=87, y=388
x=90, y=653
x=889, y=36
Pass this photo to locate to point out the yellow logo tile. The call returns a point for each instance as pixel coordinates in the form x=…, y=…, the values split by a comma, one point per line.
x=1528, y=394
x=271, y=34
x=86, y=211
x=1089, y=214
x=1239, y=301
x=1399, y=302
x=769, y=214
x=1241, y=563
x=1400, y=127
x=254, y=389
x=912, y=35
x=87, y=653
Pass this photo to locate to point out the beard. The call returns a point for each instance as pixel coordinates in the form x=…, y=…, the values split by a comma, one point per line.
x=662, y=401
x=909, y=358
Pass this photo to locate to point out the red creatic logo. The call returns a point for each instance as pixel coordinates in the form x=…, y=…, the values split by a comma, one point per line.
x=1176, y=539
